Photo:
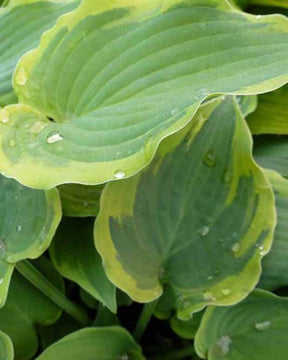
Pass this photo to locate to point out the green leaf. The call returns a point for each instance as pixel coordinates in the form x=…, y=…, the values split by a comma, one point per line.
x=80, y=200
x=275, y=264
x=75, y=257
x=95, y=343
x=186, y=329
x=271, y=152
x=247, y=104
x=6, y=347
x=28, y=221
x=271, y=114
x=160, y=226
x=118, y=77
x=25, y=308
x=22, y=22
x=255, y=329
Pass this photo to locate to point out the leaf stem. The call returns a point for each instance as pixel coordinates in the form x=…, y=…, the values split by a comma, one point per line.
x=35, y=277
x=144, y=319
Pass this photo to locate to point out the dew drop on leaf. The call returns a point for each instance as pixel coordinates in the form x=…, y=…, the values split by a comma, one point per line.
x=204, y=230
x=4, y=115
x=21, y=77
x=226, y=291
x=2, y=250
x=1, y=280
x=208, y=296
x=119, y=174
x=19, y=227
x=53, y=138
x=12, y=143
x=235, y=248
x=262, y=325
x=209, y=158
x=174, y=111
x=224, y=343
x=258, y=17
x=124, y=357
x=227, y=176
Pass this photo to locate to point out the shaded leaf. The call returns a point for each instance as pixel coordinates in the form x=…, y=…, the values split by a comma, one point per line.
x=80, y=200
x=95, y=343
x=75, y=257
x=186, y=329
x=275, y=264
x=159, y=226
x=118, y=77
x=27, y=307
x=255, y=329
x=22, y=23
x=271, y=116
x=28, y=221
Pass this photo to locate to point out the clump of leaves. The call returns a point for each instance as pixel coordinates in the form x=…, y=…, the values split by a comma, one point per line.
x=143, y=186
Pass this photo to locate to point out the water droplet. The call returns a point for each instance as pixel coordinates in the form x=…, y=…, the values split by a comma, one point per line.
x=161, y=273
x=209, y=158
x=4, y=115
x=85, y=203
x=227, y=176
x=263, y=252
x=262, y=325
x=174, y=111
x=21, y=77
x=16, y=197
x=19, y=227
x=224, y=343
x=1, y=281
x=208, y=296
x=124, y=357
x=258, y=17
x=118, y=153
x=12, y=143
x=210, y=278
x=226, y=291
x=235, y=248
x=119, y=174
x=2, y=250
x=53, y=138
x=204, y=230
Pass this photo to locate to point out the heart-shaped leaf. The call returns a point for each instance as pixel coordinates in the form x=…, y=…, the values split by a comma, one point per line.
x=28, y=221
x=6, y=347
x=27, y=307
x=105, y=343
x=255, y=329
x=118, y=77
x=80, y=200
x=271, y=114
x=200, y=218
x=74, y=255
x=275, y=264
x=22, y=23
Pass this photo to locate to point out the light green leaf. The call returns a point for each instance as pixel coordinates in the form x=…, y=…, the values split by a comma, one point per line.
x=271, y=116
x=28, y=221
x=95, y=343
x=118, y=77
x=25, y=308
x=6, y=347
x=22, y=23
x=255, y=329
x=271, y=152
x=80, y=200
x=275, y=264
x=75, y=257
x=159, y=226
x=247, y=104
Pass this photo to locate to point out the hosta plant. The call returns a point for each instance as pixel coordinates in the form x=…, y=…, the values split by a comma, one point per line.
x=143, y=179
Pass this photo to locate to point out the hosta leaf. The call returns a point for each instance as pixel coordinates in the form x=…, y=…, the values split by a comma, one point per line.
x=118, y=77
x=6, y=347
x=271, y=114
x=247, y=104
x=28, y=220
x=95, y=343
x=194, y=219
x=80, y=200
x=25, y=308
x=22, y=23
x=186, y=329
x=255, y=329
x=271, y=152
x=275, y=264
x=75, y=257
